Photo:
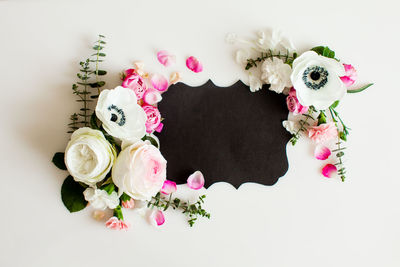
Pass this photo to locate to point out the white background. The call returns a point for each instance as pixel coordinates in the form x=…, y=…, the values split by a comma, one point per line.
x=304, y=220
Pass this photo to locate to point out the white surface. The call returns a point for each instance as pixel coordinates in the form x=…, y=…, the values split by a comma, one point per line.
x=304, y=220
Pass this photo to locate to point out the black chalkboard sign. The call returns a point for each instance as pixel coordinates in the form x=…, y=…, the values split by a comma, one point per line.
x=228, y=133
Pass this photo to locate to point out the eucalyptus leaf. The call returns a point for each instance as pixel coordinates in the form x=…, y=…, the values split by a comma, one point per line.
x=58, y=160
x=97, y=84
x=72, y=195
x=101, y=72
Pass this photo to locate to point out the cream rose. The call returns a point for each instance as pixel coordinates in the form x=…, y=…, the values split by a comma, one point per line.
x=139, y=171
x=89, y=156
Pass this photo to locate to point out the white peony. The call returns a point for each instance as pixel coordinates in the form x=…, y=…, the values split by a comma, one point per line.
x=317, y=80
x=100, y=199
x=139, y=171
x=89, y=156
x=120, y=114
x=276, y=73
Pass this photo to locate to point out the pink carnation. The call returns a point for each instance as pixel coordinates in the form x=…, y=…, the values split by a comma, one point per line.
x=153, y=122
x=129, y=204
x=116, y=224
x=323, y=133
x=351, y=75
x=293, y=103
x=136, y=83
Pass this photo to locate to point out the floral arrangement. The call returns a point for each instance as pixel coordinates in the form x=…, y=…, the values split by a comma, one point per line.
x=113, y=157
x=314, y=83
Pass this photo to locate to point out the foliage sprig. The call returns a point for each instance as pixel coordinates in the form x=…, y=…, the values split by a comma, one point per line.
x=303, y=124
x=286, y=57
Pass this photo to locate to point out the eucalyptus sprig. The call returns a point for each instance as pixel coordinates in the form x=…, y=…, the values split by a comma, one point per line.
x=193, y=211
x=287, y=58
x=303, y=124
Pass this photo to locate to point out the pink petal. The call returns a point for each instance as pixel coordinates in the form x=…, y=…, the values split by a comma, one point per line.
x=174, y=78
x=152, y=96
x=196, y=180
x=159, y=82
x=165, y=58
x=322, y=152
x=129, y=72
x=130, y=204
x=347, y=81
x=157, y=218
x=329, y=170
x=169, y=187
x=194, y=64
x=159, y=127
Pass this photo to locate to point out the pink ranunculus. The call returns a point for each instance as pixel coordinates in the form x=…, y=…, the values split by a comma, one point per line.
x=323, y=133
x=168, y=188
x=351, y=75
x=153, y=118
x=129, y=204
x=136, y=83
x=293, y=103
x=116, y=224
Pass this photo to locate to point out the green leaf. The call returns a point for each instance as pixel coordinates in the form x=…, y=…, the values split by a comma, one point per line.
x=321, y=118
x=93, y=122
x=343, y=136
x=72, y=195
x=359, y=89
x=151, y=139
x=335, y=104
x=102, y=36
x=97, y=84
x=340, y=154
x=58, y=160
x=101, y=72
x=109, y=188
x=97, y=47
x=328, y=53
x=318, y=49
x=125, y=197
x=102, y=55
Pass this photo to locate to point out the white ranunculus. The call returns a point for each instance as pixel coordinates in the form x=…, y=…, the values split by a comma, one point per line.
x=89, y=156
x=120, y=114
x=317, y=80
x=140, y=170
x=100, y=199
x=276, y=73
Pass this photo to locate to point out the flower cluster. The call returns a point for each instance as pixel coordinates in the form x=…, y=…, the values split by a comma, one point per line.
x=114, y=159
x=314, y=83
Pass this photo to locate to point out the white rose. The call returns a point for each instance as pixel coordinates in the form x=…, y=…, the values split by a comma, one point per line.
x=276, y=73
x=100, y=199
x=89, y=156
x=139, y=171
x=120, y=114
x=317, y=80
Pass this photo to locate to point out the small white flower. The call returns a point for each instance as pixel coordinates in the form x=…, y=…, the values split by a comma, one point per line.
x=317, y=80
x=276, y=73
x=100, y=199
x=120, y=114
x=255, y=83
x=290, y=126
x=89, y=156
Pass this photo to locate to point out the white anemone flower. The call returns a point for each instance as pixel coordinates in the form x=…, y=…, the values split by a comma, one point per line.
x=120, y=114
x=317, y=80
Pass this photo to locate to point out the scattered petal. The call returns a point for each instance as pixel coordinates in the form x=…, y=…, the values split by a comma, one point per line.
x=139, y=68
x=98, y=215
x=159, y=82
x=159, y=127
x=152, y=96
x=329, y=170
x=166, y=58
x=130, y=204
x=157, y=218
x=322, y=152
x=196, y=180
x=175, y=77
x=168, y=188
x=194, y=64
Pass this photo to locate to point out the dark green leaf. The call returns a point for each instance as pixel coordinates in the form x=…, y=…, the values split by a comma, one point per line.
x=93, y=122
x=321, y=118
x=102, y=36
x=58, y=160
x=125, y=197
x=328, y=53
x=151, y=139
x=101, y=72
x=359, y=89
x=102, y=55
x=318, y=49
x=340, y=154
x=97, y=47
x=97, y=84
x=72, y=195
x=343, y=136
x=94, y=96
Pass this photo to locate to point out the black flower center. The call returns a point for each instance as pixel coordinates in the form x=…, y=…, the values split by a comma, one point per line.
x=315, y=77
x=119, y=115
x=114, y=117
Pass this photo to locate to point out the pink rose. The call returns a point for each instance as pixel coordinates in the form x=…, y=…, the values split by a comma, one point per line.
x=116, y=224
x=323, y=133
x=293, y=103
x=136, y=83
x=153, y=122
x=351, y=75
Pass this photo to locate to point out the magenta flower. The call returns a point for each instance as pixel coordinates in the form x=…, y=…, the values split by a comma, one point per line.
x=322, y=152
x=136, y=83
x=293, y=103
x=129, y=204
x=323, y=133
x=116, y=224
x=328, y=170
x=159, y=82
x=153, y=118
x=351, y=75
x=194, y=64
x=196, y=180
x=157, y=218
x=168, y=188
x=165, y=58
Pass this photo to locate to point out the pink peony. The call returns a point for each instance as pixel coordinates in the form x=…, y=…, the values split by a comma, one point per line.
x=351, y=75
x=136, y=83
x=116, y=224
x=293, y=103
x=129, y=204
x=153, y=118
x=323, y=133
